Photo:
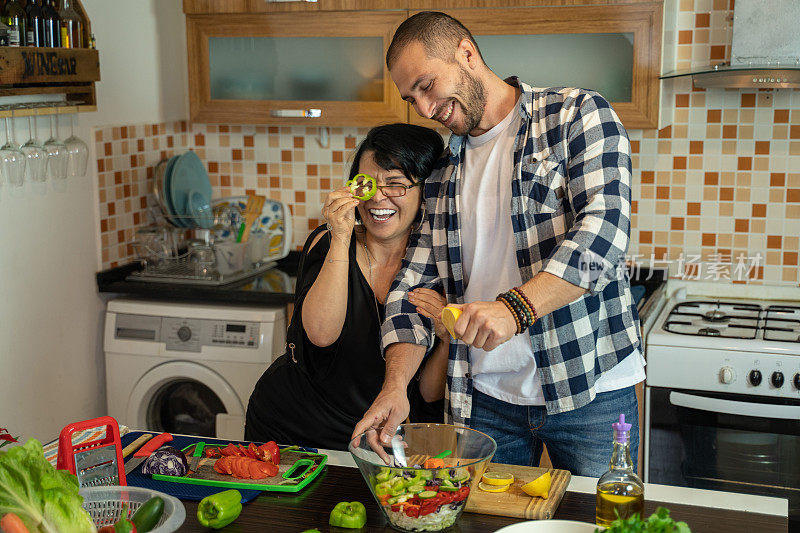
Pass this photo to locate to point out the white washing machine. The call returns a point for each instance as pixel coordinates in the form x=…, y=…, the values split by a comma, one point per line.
x=187, y=368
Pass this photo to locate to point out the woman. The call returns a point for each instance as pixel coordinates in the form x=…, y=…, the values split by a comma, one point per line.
x=315, y=393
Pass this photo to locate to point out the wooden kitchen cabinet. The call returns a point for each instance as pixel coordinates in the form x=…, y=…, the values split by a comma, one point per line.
x=284, y=68
x=197, y=7
x=614, y=49
x=251, y=63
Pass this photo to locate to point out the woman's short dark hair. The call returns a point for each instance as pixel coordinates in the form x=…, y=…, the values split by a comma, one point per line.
x=411, y=149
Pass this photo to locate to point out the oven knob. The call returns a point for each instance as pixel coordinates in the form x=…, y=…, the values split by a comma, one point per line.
x=726, y=375
x=184, y=333
x=777, y=379
x=755, y=378
x=797, y=381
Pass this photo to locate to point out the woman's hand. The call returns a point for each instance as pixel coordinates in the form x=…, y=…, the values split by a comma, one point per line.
x=430, y=304
x=339, y=212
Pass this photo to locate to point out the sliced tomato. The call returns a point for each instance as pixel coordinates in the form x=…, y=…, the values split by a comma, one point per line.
x=411, y=510
x=241, y=468
x=219, y=465
x=231, y=450
x=461, y=494
x=272, y=469
x=246, y=452
x=256, y=472
x=212, y=452
x=428, y=507
x=269, y=452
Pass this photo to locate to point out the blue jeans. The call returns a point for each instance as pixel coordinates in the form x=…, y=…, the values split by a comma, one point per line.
x=579, y=440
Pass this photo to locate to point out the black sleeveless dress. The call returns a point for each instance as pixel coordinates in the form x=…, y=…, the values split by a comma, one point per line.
x=314, y=396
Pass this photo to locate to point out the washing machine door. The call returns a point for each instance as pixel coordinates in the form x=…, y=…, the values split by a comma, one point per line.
x=187, y=398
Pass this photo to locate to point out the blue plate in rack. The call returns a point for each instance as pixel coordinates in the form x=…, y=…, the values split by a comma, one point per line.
x=188, y=175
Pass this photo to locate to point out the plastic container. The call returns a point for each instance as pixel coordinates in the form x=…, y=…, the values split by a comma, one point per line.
x=231, y=257
x=423, y=499
x=104, y=505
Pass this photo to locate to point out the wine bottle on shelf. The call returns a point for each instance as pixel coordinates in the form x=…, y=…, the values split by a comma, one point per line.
x=71, y=26
x=13, y=15
x=52, y=24
x=36, y=23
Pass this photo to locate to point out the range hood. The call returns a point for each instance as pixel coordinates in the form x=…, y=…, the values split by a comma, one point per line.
x=765, y=49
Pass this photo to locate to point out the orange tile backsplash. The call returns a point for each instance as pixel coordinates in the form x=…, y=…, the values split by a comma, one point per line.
x=716, y=190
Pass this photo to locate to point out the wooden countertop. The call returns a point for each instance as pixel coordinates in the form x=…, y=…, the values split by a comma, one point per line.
x=293, y=513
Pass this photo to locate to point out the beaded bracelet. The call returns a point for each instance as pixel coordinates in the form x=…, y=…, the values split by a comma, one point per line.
x=518, y=290
x=525, y=303
x=522, y=307
x=513, y=313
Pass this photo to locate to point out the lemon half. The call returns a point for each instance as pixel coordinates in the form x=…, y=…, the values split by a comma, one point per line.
x=497, y=478
x=449, y=317
x=539, y=487
x=493, y=488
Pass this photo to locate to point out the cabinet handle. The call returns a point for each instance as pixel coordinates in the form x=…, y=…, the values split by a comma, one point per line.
x=283, y=1
x=295, y=113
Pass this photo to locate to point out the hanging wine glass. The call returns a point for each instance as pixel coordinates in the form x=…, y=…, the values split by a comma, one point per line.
x=12, y=160
x=77, y=151
x=35, y=155
x=56, y=153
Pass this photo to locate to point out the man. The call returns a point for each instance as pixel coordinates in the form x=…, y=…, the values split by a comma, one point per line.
x=534, y=195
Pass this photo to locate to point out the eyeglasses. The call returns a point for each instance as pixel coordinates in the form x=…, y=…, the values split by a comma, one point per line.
x=395, y=190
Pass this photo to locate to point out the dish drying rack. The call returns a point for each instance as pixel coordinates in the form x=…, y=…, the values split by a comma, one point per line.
x=205, y=261
x=183, y=269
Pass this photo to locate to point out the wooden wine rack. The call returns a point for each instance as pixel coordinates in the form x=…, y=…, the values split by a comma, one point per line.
x=32, y=70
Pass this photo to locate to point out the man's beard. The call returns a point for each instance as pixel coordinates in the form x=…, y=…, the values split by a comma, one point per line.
x=472, y=99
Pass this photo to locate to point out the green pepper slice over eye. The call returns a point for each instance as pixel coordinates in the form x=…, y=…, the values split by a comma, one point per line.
x=352, y=515
x=363, y=186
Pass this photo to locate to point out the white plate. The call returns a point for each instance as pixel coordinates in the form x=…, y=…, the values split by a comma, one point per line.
x=550, y=526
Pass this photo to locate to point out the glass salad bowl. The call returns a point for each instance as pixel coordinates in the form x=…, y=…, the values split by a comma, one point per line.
x=422, y=479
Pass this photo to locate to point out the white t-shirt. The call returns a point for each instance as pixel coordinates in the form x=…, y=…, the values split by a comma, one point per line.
x=509, y=371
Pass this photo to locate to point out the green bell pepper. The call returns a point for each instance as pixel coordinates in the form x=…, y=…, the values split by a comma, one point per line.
x=220, y=509
x=363, y=186
x=383, y=488
x=352, y=515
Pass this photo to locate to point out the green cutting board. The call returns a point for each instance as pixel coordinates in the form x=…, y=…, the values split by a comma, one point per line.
x=297, y=469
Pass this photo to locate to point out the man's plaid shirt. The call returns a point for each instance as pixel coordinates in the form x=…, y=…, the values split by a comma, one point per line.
x=570, y=207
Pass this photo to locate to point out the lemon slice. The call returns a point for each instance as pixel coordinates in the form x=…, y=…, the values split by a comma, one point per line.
x=497, y=478
x=493, y=488
x=449, y=317
x=539, y=487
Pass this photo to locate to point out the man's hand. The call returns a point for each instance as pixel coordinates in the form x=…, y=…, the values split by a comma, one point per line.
x=485, y=325
x=389, y=410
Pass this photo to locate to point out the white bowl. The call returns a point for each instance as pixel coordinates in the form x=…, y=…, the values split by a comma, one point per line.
x=550, y=526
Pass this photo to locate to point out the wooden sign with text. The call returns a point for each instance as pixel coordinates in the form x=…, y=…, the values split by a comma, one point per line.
x=28, y=65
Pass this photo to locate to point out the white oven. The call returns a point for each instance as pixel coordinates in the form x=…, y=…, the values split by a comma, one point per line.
x=723, y=397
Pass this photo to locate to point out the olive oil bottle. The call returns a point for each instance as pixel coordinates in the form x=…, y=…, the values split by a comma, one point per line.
x=619, y=491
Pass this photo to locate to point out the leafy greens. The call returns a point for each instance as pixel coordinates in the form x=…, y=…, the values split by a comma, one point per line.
x=46, y=499
x=659, y=522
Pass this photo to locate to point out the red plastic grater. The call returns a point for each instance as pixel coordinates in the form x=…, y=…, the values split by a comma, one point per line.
x=97, y=462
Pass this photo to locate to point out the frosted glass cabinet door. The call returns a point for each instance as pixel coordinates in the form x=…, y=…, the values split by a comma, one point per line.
x=325, y=69
x=613, y=49
x=296, y=68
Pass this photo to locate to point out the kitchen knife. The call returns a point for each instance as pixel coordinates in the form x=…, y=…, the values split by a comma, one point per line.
x=145, y=451
x=198, y=452
x=133, y=446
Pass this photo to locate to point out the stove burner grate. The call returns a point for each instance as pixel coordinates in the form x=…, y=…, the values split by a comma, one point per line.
x=715, y=315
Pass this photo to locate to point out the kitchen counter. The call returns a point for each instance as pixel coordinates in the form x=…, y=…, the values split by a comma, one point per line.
x=275, y=286
x=310, y=509
x=704, y=511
